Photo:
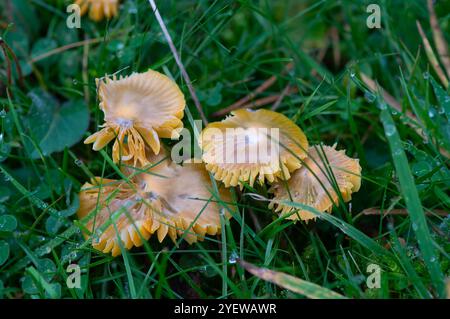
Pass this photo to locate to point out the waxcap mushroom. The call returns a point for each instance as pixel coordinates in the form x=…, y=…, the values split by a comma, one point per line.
x=166, y=199
x=324, y=172
x=138, y=111
x=252, y=145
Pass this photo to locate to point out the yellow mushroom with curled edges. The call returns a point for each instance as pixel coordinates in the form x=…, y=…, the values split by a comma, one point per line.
x=138, y=111
x=252, y=145
x=325, y=174
x=168, y=199
x=98, y=9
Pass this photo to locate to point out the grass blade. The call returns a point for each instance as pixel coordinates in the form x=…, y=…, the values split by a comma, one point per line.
x=348, y=229
x=411, y=197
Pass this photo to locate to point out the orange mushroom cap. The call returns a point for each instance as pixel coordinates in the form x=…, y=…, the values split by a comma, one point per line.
x=250, y=144
x=168, y=199
x=138, y=110
x=325, y=172
x=98, y=9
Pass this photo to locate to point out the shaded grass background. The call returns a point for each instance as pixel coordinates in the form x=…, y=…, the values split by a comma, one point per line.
x=229, y=48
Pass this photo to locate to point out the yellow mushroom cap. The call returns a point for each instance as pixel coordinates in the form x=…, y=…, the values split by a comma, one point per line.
x=312, y=184
x=98, y=9
x=168, y=199
x=250, y=144
x=139, y=109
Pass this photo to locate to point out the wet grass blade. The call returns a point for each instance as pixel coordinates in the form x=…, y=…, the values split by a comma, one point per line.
x=412, y=200
x=348, y=229
x=40, y=280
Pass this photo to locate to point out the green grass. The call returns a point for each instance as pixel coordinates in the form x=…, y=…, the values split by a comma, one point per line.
x=229, y=48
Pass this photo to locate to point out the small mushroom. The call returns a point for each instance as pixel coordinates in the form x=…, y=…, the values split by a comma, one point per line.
x=98, y=9
x=167, y=199
x=252, y=144
x=325, y=172
x=139, y=109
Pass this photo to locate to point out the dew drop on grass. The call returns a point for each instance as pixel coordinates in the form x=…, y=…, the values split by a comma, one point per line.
x=42, y=251
x=381, y=105
x=431, y=112
x=389, y=130
x=369, y=97
x=415, y=227
x=132, y=10
x=426, y=75
x=233, y=257
x=3, y=113
x=42, y=205
x=78, y=162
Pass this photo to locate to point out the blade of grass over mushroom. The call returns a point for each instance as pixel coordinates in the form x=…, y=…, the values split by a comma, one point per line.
x=109, y=160
x=291, y=283
x=411, y=198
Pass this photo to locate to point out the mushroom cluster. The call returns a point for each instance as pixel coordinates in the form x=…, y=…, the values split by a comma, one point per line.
x=156, y=195
x=159, y=196
x=316, y=176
